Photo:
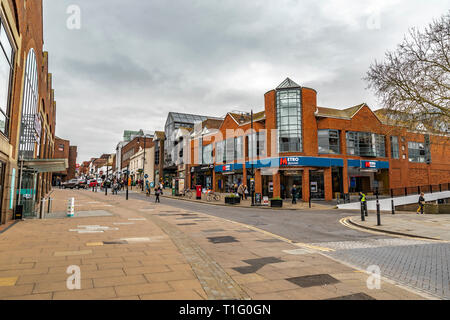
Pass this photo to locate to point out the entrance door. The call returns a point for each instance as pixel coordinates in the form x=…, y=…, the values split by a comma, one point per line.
x=317, y=185
x=27, y=194
x=288, y=180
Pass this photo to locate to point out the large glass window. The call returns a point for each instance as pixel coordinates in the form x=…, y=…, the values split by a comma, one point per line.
x=289, y=120
x=256, y=145
x=417, y=152
x=6, y=72
x=200, y=150
x=328, y=141
x=366, y=144
x=29, y=108
x=229, y=150
x=394, y=148
x=238, y=148
x=220, y=152
x=208, y=154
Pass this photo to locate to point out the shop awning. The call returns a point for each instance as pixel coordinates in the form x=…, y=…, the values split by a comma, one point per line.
x=46, y=165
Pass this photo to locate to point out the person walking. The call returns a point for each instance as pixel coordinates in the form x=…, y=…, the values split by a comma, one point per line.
x=147, y=188
x=157, y=193
x=245, y=192
x=421, y=203
x=294, y=194
x=241, y=191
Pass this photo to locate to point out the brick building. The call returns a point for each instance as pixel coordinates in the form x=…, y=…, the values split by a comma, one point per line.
x=323, y=151
x=27, y=109
x=133, y=147
x=63, y=150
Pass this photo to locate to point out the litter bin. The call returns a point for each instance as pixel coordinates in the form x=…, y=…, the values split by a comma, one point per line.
x=18, y=214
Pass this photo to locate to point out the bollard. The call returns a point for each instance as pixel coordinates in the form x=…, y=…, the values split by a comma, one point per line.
x=362, y=212
x=393, y=206
x=106, y=190
x=71, y=207
x=378, y=211
x=49, y=210
x=365, y=209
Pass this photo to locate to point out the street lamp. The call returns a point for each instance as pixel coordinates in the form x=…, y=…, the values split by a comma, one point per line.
x=252, y=183
x=143, y=164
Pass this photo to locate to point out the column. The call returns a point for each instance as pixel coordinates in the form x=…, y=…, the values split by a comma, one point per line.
x=258, y=181
x=305, y=185
x=276, y=185
x=328, y=184
x=214, y=185
x=244, y=175
x=345, y=177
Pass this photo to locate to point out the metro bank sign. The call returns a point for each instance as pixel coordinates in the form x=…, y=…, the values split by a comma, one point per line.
x=290, y=161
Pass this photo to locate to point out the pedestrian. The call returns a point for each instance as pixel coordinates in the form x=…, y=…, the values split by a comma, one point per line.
x=157, y=193
x=241, y=191
x=245, y=192
x=363, y=200
x=147, y=188
x=283, y=192
x=294, y=194
x=421, y=203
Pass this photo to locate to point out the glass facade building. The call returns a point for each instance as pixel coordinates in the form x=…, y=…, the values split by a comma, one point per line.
x=289, y=120
x=6, y=71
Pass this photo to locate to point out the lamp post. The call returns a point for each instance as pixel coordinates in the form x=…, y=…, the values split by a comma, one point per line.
x=128, y=165
x=252, y=184
x=143, y=164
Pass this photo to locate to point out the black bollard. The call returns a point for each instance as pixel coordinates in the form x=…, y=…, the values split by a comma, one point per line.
x=378, y=211
x=362, y=211
x=393, y=206
x=365, y=209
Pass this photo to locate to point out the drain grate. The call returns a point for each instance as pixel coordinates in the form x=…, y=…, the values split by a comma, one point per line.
x=116, y=242
x=226, y=239
x=245, y=231
x=313, y=281
x=256, y=264
x=355, y=296
x=186, y=224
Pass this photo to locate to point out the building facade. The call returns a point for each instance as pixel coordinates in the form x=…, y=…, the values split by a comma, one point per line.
x=323, y=151
x=27, y=109
x=63, y=150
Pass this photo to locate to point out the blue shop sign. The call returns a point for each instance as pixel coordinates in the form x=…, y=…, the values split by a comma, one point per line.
x=368, y=164
x=229, y=167
x=310, y=162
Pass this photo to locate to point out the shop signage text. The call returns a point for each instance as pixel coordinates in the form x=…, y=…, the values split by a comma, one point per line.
x=289, y=161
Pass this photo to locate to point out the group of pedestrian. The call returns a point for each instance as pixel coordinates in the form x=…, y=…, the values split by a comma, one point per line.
x=242, y=190
x=420, y=209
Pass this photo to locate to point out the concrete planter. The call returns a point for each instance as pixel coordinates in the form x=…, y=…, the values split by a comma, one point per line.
x=276, y=203
x=232, y=200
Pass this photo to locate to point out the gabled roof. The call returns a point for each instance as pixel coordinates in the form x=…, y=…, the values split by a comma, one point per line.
x=337, y=113
x=160, y=135
x=288, y=84
x=241, y=119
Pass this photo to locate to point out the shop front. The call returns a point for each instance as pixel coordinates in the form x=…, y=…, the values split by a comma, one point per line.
x=228, y=176
x=202, y=176
x=366, y=176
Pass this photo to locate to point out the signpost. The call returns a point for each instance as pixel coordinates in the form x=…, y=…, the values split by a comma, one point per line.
x=71, y=207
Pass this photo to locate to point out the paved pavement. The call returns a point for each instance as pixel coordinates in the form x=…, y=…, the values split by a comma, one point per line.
x=430, y=226
x=138, y=250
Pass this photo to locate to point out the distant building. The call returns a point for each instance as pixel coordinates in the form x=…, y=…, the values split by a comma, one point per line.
x=63, y=150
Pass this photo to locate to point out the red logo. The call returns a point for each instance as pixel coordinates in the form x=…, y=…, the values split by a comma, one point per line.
x=283, y=162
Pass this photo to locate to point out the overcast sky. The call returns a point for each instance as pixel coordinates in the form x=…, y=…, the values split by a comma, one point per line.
x=131, y=62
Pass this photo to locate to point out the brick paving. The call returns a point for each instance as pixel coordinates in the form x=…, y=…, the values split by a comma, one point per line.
x=139, y=251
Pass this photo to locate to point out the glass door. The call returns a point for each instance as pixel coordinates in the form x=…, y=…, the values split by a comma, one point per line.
x=317, y=185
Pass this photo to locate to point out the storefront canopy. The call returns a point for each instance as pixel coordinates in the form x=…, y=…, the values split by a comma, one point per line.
x=46, y=165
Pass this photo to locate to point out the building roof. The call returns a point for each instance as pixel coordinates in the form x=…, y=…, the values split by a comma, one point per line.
x=160, y=135
x=243, y=118
x=188, y=118
x=288, y=84
x=338, y=113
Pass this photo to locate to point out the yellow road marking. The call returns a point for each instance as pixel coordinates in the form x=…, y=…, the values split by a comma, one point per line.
x=8, y=282
x=94, y=244
x=344, y=221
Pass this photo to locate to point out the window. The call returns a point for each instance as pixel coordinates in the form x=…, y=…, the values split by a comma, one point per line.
x=6, y=72
x=30, y=120
x=208, y=154
x=157, y=153
x=200, y=150
x=238, y=148
x=366, y=144
x=289, y=120
x=417, y=152
x=256, y=145
x=394, y=148
x=220, y=152
x=229, y=150
x=328, y=141
x=61, y=147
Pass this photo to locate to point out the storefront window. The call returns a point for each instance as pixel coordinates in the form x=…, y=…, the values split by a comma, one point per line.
x=6, y=71
x=229, y=150
x=238, y=148
x=365, y=144
x=328, y=141
x=416, y=152
x=394, y=148
x=200, y=150
x=289, y=120
x=220, y=151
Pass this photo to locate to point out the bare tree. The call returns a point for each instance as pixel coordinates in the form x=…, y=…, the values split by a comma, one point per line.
x=413, y=83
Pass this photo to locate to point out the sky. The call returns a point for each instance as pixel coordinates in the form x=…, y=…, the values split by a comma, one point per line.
x=124, y=65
